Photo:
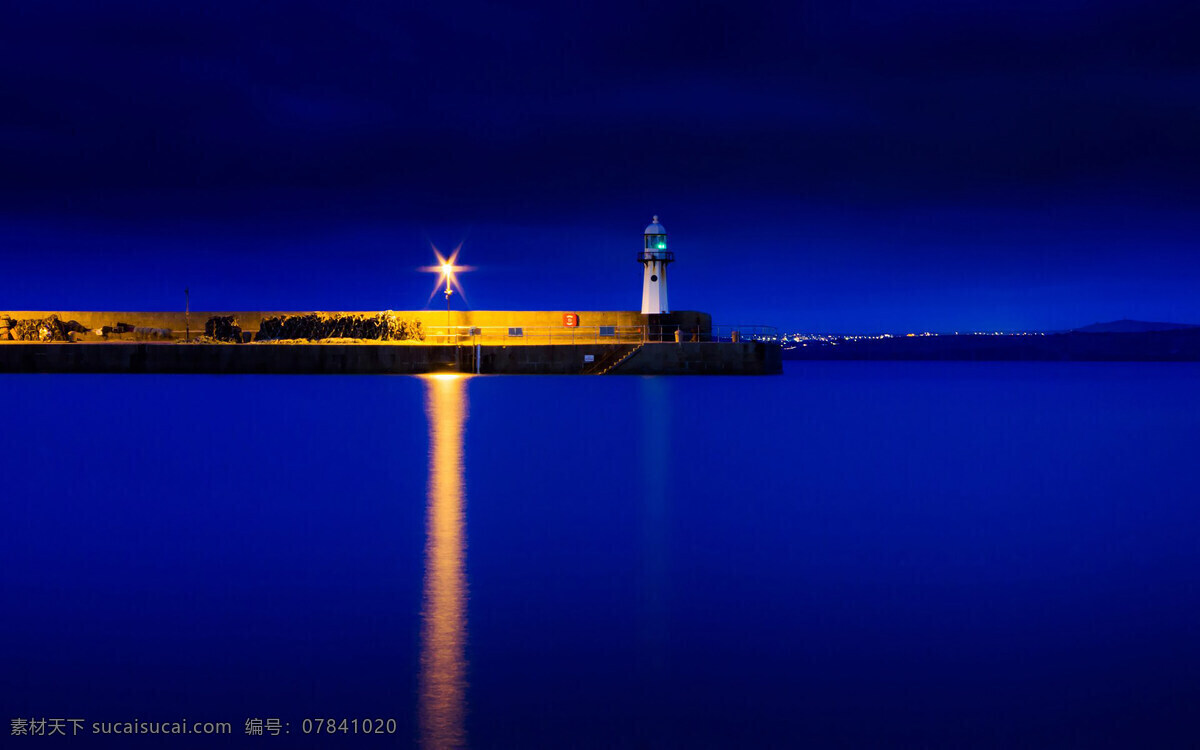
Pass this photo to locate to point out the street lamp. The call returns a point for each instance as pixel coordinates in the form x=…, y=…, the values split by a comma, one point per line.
x=448, y=272
x=447, y=268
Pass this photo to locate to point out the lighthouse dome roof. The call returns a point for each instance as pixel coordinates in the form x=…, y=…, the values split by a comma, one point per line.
x=655, y=227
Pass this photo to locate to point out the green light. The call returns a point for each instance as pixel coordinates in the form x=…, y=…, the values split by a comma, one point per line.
x=662, y=246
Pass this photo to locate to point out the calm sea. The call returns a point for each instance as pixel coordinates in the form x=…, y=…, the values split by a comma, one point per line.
x=848, y=555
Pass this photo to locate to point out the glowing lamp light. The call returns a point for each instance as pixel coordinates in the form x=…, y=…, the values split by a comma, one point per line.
x=447, y=271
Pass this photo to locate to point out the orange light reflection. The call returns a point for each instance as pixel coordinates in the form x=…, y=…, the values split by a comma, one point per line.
x=444, y=617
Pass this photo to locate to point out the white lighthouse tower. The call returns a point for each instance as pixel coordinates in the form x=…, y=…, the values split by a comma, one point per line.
x=654, y=259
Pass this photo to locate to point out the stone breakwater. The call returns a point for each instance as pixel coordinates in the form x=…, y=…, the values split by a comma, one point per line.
x=726, y=358
x=50, y=328
x=363, y=325
x=54, y=329
x=481, y=341
x=382, y=326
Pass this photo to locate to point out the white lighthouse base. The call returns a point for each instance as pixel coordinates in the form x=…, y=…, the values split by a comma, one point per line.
x=654, y=288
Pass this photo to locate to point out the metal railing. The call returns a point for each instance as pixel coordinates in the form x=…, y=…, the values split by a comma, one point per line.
x=729, y=332
x=664, y=256
x=518, y=335
x=515, y=336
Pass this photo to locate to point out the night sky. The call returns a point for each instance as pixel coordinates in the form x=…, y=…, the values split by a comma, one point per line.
x=836, y=166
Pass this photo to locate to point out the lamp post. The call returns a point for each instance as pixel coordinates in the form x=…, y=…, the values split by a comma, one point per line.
x=447, y=268
x=447, y=271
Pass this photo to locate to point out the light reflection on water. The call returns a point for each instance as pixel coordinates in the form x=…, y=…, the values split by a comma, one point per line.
x=655, y=410
x=853, y=555
x=443, y=682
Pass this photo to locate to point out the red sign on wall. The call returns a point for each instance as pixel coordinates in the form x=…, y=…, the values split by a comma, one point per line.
x=570, y=320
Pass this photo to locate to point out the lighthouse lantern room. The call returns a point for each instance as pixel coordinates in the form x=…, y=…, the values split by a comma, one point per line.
x=654, y=259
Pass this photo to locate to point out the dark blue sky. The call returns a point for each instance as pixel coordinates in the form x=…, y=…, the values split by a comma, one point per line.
x=844, y=166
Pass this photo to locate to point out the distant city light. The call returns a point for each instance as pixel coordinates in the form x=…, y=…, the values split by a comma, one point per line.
x=792, y=340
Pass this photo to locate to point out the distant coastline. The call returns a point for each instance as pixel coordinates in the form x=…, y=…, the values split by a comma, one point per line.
x=1119, y=341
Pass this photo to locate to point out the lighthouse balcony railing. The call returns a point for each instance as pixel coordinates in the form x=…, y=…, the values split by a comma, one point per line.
x=663, y=256
x=649, y=334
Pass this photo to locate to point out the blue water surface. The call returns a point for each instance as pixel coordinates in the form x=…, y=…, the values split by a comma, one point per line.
x=849, y=555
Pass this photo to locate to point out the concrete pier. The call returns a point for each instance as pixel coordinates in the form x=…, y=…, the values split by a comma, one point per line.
x=485, y=342
x=435, y=322
x=748, y=358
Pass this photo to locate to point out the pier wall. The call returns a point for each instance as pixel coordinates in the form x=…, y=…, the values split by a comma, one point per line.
x=432, y=320
x=726, y=358
x=752, y=358
x=638, y=346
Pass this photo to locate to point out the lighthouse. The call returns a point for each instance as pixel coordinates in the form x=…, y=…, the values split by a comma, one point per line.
x=654, y=259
